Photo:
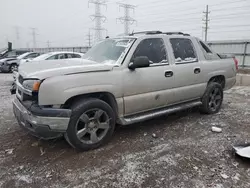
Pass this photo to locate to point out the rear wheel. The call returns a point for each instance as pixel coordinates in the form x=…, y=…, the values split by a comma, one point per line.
x=13, y=67
x=212, y=99
x=91, y=125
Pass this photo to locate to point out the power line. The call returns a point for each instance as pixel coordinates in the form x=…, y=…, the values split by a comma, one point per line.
x=126, y=19
x=230, y=15
x=232, y=26
x=160, y=15
x=206, y=22
x=227, y=2
x=229, y=31
x=159, y=1
x=183, y=10
x=98, y=18
x=229, y=8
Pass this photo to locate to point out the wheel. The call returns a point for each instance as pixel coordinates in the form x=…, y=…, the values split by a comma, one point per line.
x=212, y=99
x=13, y=67
x=91, y=125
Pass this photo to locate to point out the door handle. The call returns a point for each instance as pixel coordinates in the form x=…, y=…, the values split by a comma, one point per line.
x=197, y=70
x=169, y=73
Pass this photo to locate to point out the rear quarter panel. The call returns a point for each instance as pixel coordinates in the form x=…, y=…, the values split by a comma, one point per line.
x=224, y=67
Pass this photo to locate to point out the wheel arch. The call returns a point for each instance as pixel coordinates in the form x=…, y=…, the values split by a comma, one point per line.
x=107, y=97
x=218, y=79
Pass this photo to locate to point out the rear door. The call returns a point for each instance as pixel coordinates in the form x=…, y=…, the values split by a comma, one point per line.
x=189, y=83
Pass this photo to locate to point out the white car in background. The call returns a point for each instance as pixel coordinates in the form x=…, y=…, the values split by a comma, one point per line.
x=47, y=56
x=28, y=56
x=10, y=64
x=58, y=55
x=52, y=56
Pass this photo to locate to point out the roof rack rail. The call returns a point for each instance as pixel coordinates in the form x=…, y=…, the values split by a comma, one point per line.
x=158, y=32
x=145, y=32
x=176, y=33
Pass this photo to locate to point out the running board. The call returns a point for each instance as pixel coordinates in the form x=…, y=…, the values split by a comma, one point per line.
x=156, y=113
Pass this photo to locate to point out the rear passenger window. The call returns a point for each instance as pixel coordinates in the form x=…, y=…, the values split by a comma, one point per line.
x=153, y=48
x=183, y=49
x=76, y=56
x=205, y=47
x=69, y=56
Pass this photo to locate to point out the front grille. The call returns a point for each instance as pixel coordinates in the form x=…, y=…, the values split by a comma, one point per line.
x=20, y=79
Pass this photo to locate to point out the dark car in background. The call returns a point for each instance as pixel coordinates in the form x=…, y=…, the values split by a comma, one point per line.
x=11, y=53
x=10, y=64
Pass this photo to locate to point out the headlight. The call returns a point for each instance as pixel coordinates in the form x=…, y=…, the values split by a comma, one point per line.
x=32, y=85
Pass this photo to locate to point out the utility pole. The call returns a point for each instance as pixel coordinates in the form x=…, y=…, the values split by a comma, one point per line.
x=89, y=39
x=126, y=19
x=48, y=44
x=98, y=18
x=206, y=22
x=34, y=36
x=17, y=34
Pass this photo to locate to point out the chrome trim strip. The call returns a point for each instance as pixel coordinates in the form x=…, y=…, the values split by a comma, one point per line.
x=26, y=91
x=156, y=113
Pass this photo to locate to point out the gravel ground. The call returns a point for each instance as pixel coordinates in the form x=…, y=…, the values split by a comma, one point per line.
x=185, y=153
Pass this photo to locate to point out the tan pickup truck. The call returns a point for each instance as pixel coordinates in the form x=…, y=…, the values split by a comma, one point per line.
x=120, y=80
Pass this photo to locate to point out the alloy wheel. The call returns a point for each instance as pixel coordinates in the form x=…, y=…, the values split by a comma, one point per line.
x=215, y=99
x=92, y=126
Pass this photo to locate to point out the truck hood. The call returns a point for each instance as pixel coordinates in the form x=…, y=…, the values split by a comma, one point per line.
x=49, y=68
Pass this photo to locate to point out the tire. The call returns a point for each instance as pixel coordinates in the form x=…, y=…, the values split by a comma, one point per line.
x=91, y=125
x=212, y=98
x=13, y=67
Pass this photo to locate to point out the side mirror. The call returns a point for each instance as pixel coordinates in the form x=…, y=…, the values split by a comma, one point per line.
x=139, y=62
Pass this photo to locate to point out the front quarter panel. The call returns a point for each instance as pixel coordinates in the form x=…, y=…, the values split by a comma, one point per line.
x=57, y=90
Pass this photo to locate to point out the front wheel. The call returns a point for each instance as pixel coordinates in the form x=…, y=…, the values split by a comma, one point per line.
x=212, y=99
x=91, y=124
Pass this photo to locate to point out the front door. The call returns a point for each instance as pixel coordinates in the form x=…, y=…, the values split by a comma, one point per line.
x=149, y=87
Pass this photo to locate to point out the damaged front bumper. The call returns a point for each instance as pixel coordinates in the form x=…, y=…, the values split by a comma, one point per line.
x=45, y=123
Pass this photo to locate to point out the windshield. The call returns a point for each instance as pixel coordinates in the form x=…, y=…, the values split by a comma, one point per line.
x=3, y=52
x=42, y=57
x=23, y=55
x=109, y=50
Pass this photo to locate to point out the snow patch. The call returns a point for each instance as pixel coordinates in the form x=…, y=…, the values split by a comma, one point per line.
x=25, y=178
x=166, y=159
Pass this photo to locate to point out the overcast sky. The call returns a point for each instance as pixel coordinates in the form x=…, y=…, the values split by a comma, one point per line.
x=67, y=22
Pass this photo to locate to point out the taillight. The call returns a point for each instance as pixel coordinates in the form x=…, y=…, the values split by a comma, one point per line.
x=236, y=63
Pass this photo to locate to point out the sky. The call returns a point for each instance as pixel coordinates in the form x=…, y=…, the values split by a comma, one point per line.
x=62, y=23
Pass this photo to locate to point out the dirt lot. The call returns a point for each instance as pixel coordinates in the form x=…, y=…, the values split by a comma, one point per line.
x=185, y=153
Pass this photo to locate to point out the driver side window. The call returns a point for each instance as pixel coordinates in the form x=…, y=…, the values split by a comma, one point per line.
x=154, y=49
